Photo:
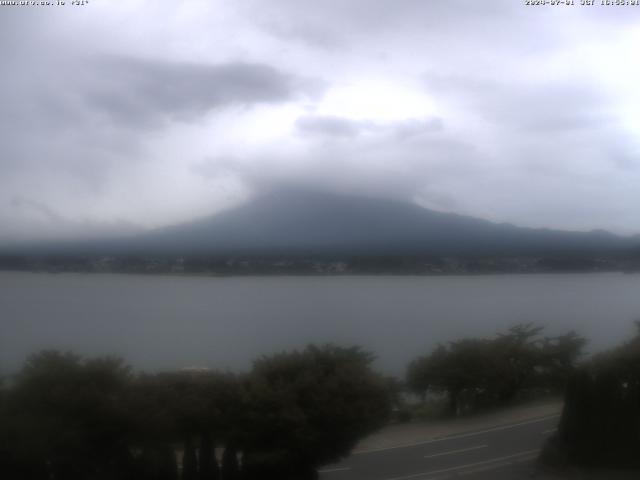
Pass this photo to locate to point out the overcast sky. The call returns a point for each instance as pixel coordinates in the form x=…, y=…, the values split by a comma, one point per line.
x=118, y=116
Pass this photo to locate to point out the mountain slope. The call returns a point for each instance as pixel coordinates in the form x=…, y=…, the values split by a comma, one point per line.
x=307, y=223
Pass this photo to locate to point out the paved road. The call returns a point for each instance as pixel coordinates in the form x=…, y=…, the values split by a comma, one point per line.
x=506, y=452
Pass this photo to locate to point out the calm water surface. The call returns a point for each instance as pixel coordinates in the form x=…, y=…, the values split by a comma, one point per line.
x=169, y=321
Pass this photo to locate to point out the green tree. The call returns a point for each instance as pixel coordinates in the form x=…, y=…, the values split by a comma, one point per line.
x=189, y=461
x=158, y=462
x=209, y=469
x=488, y=372
x=600, y=424
x=185, y=406
x=70, y=415
x=308, y=408
x=558, y=359
x=230, y=467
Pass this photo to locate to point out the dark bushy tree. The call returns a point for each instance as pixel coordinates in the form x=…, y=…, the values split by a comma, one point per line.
x=69, y=418
x=600, y=423
x=158, y=462
x=185, y=407
x=70, y=415
x=209, y=469
x=558, y=359
x=189, y=461
x=489, y=372
x=309, y=408
x=230, y=467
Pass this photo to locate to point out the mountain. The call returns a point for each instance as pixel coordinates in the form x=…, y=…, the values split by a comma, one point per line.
x=311, y=223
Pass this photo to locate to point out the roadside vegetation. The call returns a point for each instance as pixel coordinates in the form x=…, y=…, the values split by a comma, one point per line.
x=478, y=373
x=600, y=423
x=64, y=417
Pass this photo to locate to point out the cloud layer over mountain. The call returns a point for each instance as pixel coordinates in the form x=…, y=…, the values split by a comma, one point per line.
x=124, y=116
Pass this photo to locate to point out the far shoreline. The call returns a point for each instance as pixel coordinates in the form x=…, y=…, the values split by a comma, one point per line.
x=316, y=275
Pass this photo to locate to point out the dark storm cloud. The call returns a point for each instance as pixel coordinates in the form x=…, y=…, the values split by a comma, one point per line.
x=85, y=118
x=79, y=131
x=141, y=91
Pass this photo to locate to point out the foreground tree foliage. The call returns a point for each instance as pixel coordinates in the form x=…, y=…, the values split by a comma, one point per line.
x=476, y=373
x=66, y=418
x=309, y=408
x=600, y=424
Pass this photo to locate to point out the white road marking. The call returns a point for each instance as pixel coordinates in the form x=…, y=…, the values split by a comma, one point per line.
x=331, y=470
x=455, y=437
x=462, y=467
x=496, y=466
x=451, y=452
x=551, y=430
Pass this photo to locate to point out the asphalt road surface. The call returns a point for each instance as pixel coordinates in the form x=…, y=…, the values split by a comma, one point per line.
x=506, y=452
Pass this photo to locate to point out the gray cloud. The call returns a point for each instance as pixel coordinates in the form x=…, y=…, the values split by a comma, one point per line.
x=626, y=161
x=344, y=19
x=345, y=127
x=166, y=111
x=215, y=167
x=541, y=106
x=38, y=220
x=420, y=168
x=38, y=207
x=142, y=91
x=75, y=141
x=331, y=125
x=416, y=127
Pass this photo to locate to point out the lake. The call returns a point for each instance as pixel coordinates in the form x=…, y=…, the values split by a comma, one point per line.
x=158, y=322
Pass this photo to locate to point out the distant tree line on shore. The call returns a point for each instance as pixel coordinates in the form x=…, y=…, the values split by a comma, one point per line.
x=309, y=264
x=64, y=417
